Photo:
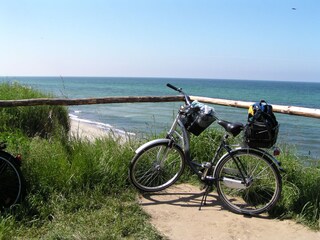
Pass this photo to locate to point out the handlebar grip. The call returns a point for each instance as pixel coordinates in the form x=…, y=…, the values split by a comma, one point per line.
x=186, y=97
x=173, y=87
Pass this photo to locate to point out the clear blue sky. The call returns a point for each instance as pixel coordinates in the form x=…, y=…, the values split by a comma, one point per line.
x=234, y=39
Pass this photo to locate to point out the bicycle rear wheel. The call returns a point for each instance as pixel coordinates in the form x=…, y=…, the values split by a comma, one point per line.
x=11, y=182
x=157, y=166
x=255, y=188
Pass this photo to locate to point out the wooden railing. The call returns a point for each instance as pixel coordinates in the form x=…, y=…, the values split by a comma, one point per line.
x=292, y=110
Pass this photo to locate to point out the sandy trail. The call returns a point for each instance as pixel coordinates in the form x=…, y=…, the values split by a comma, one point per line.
x=175, y=213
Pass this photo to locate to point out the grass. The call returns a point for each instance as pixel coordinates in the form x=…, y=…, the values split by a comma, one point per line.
x=77, y=191
x=80, y=190
x=301, y=191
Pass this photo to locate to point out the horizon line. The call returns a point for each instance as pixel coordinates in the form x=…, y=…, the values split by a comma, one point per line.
x=154, y=77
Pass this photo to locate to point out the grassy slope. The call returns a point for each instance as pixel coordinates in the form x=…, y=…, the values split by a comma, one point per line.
x=76, y=189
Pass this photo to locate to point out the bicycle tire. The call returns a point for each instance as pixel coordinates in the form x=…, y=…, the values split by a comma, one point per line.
x=12, y=183
x=156, y=166
x=264, y=184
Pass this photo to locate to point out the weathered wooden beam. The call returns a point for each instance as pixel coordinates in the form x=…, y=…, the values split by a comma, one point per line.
x=224, y=102
x=300, y=111
x=88, y=101
x=292, y=110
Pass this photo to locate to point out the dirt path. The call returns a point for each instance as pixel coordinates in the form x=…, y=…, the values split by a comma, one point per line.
x=175, y=213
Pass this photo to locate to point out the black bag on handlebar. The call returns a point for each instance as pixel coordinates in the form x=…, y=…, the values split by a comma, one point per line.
x=262, y=128
x=198, y=117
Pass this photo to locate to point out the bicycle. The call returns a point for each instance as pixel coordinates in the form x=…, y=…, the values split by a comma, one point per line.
x=247, y=180
x=12, y=182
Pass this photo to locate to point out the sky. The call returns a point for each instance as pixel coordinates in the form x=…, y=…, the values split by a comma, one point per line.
x=219, y=39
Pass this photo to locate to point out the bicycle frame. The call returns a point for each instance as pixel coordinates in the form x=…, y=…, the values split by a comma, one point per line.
x=185, y=139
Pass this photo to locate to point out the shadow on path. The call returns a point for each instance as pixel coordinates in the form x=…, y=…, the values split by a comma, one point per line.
x=174, y=213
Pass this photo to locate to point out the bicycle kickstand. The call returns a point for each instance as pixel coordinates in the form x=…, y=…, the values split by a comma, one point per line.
x=205, y=195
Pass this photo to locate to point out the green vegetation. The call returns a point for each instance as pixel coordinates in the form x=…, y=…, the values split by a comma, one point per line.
x=301, y=191
x=80, y=190
x=76, y=189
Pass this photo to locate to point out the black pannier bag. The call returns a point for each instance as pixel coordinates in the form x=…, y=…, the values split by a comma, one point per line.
x=262, y=128
x=198, y=117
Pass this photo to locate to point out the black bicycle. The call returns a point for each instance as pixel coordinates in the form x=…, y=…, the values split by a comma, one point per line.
x=12, y=182
x=248, y=180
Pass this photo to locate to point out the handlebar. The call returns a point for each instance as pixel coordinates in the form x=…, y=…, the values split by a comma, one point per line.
x=186, y=97
x=174, y=88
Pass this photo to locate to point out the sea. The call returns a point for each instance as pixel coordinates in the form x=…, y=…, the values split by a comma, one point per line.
x=300, y=133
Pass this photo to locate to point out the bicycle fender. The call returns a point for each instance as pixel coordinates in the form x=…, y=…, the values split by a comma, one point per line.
x=147, y=144
x=256, y=151
x=273, y=159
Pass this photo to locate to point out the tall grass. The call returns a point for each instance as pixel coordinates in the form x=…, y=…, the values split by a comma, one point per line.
x=77, y=189
x=301, y=191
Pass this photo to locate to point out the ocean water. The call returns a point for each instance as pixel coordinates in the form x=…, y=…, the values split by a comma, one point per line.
x=141, y=118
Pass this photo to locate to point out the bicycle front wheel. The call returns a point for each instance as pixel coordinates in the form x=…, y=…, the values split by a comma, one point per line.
x=157, y=166
x=11, y=183
x=248, y=182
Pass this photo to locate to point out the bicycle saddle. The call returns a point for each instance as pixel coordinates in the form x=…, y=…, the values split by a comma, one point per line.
x=233, y=128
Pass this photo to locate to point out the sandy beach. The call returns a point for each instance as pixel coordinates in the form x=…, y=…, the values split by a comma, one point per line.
x=91, y=132
x=84, y=130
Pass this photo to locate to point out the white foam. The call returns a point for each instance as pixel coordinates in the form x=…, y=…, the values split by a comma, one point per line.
x=73, y=116
x=103, y=126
